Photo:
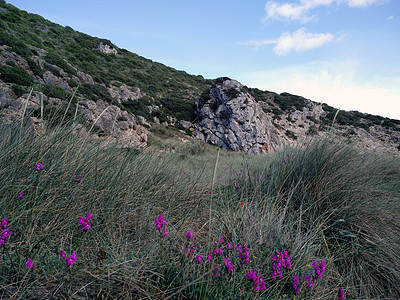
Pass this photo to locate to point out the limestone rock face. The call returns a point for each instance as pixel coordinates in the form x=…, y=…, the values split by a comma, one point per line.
x=124, y=93
x=85, y=77
x=50, y=78
x=234, y=120
x=126, y=128
x=106, y=49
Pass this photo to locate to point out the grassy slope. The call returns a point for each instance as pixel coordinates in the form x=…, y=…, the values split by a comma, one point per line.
x=323, y=201
x=30, y=35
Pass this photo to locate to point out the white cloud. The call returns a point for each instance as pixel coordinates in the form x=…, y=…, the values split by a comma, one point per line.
x=298, y=11
x=300, y=40
x=390, y=18
x=334, y=83
x=275, y=10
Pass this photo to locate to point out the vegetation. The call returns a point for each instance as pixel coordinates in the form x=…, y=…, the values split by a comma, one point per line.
x=80, y=220
x=14, y=74
x=288, y=102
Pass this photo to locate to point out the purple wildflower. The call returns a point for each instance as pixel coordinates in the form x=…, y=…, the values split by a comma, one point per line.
x=84, y=222
x=199, y=258
x=282, y=261
x=244, y=254
x=296, y=284
x=221, y=240
x=160, y=222
x=20, y=195
x=228, y=265
x=341, y=294
x=29, y=264
x=70, y=259
x=218, y=251
x=165, y=233
x=189, y=235
x=258, y=281
x=229, y=245
x=310, y=283
x=215, y=272
x=188, y=250
x=4, y=231
x=319, y=269
x=39, y=166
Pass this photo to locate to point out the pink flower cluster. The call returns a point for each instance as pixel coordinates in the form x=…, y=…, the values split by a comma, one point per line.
x=29, y=264
x=244, y=254
x=310, y=283
x=228, y=265
x=189, y=235
x=282, y=261
x=39, y=166
x=296, y=284
x=341, y=294
x=84, y=222
x=258, y=282
x=319, y=269
x=189, y=249
x=215, y=272
x=4, y=231
x=70, y=259
x=160, y=222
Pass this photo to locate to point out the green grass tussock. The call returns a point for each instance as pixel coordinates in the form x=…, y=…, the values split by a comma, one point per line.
x=320, y=202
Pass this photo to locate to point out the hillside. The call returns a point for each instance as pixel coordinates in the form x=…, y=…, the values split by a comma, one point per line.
x=143, y=98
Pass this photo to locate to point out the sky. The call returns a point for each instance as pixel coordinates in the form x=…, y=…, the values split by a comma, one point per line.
x=345, y=53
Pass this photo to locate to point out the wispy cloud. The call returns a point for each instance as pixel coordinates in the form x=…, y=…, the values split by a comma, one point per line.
x=299, y=11
x=258, y=43
x=364, y=3
x=298, y=41
x=390, y=18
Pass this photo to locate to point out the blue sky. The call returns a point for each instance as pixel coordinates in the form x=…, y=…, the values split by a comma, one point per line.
x=343, y=52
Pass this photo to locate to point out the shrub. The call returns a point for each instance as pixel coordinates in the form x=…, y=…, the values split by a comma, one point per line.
x=288, y=102
x=54, y=91
x=291, y=135
x=232, y=93
x=55, y=71
x=15, y=74
x=19, y=90
x=34, y=67
x=55, y=59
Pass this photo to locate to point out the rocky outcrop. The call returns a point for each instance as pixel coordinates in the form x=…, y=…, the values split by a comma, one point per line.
x=234, y=120
x=115, y=122
x=50, y=78
x=106, y=49
x=124, y=93
x=85, y=77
